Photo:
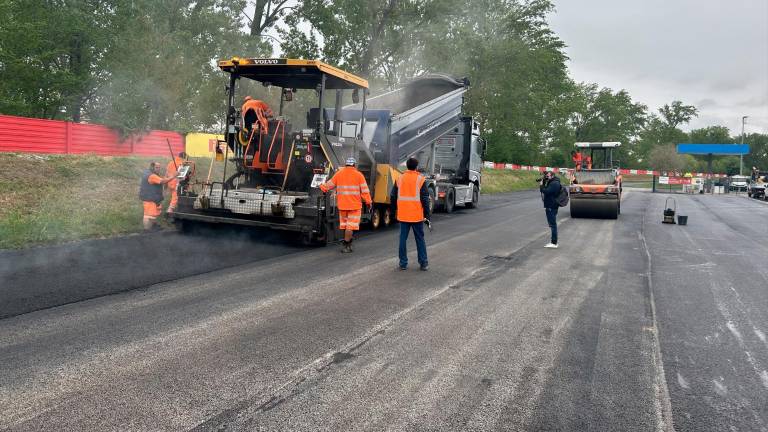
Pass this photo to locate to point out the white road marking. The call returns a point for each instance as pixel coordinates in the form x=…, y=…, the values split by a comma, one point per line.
x=662, y=402
x=760, y=335
x=720, y=388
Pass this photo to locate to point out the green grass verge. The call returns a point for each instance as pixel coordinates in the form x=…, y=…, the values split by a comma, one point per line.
x=499, y=181
x=57, y=198
x=51, y=199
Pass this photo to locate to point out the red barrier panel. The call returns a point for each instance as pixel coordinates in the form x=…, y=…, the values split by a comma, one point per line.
x=623, y=171
x=27, y=135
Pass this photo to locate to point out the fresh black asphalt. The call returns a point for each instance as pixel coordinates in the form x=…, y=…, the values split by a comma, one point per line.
x=629, y=325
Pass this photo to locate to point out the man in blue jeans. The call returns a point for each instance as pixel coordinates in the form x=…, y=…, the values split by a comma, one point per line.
x=550, y=189
x=411, y=197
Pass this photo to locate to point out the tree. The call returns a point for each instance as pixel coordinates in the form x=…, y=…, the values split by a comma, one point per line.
x=49, y=54
x=604, y=115
x=666, y=158
x=710, y=135
x=758, y=151
x=663, y=129
x=160, y=70
x=677, y=114
x=266, y=14
x=517, y=68
x=358, y=35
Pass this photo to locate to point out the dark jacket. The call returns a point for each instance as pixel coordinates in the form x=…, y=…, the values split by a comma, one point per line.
x=150, y=192
x=550, y=189
x=423, y=197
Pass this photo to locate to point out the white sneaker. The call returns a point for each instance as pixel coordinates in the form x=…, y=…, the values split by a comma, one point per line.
x=550, y=246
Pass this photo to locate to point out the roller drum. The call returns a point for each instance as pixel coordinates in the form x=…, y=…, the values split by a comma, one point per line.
x=594, y=208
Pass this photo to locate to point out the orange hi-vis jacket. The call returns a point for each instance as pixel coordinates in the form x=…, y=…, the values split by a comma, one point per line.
x=351, y=189
x=262, y=111
x=409, y=207
x=172, y=168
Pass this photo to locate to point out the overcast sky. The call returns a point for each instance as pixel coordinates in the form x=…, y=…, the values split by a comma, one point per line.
x=709, y=53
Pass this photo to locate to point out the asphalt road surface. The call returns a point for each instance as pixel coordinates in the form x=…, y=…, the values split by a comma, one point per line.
x=629, y=325
x=44, y=277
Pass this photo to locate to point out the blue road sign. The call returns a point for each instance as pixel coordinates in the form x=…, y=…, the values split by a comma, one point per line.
x=713, y=149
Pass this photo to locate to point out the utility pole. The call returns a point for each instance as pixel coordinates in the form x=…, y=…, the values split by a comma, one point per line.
x=741, y=157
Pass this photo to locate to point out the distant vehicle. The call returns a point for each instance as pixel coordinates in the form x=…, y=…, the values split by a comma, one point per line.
x=738, y=183
x=756, y=188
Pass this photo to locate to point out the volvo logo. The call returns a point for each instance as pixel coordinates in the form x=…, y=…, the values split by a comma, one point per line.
x=266, y=61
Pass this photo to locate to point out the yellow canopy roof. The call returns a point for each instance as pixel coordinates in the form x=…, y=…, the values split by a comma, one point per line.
x=292, y=73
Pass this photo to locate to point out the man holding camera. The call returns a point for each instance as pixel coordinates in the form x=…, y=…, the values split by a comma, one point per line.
x=549, y=185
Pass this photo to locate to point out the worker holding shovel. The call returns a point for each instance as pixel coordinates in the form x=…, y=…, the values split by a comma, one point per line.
x=151, y=193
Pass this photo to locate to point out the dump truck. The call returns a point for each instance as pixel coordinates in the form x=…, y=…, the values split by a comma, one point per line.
x=595, y=190
x=280, y=162
x=403, y=123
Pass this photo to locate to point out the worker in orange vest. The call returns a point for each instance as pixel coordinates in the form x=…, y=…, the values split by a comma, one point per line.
x=577, y=159
x=411, y=196
x=151, y=193
x=352, y=190
x=254, y=110
x=171, y=169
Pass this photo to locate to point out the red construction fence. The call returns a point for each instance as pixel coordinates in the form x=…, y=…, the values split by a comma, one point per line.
x=516, y=167
x=28, y=135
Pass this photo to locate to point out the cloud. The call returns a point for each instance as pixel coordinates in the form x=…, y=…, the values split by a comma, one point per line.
x=706, y=103
x=713, y=54
x=755, y=102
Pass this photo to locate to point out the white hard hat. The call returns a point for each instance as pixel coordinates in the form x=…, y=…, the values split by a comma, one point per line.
x=351, y=161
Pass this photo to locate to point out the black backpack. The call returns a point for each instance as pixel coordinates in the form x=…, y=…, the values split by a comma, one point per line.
x=562, y=197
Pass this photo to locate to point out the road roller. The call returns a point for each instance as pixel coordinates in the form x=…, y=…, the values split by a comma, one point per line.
x=595, y=189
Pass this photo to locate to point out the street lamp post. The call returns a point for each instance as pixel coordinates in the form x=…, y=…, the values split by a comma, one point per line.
x=741, y=157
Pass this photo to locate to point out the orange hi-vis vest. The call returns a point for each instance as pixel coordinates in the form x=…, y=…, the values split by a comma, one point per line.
x=351, y=189
x=262, y=111
x=409, y=207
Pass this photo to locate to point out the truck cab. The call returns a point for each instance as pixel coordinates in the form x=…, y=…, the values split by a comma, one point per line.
x=738, y=183
x=453, y=166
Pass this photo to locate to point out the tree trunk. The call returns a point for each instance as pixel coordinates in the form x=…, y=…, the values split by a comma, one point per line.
x=258, y=16
x=373, y=45
x=78, y=69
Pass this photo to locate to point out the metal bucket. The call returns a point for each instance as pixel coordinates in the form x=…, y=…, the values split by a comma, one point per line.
x=682, y=220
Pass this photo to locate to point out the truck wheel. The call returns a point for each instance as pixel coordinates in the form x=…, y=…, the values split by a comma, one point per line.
x=376, y=219
x=475, y=197
x=450, y=201
x=431, y=200
x=386, y=216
